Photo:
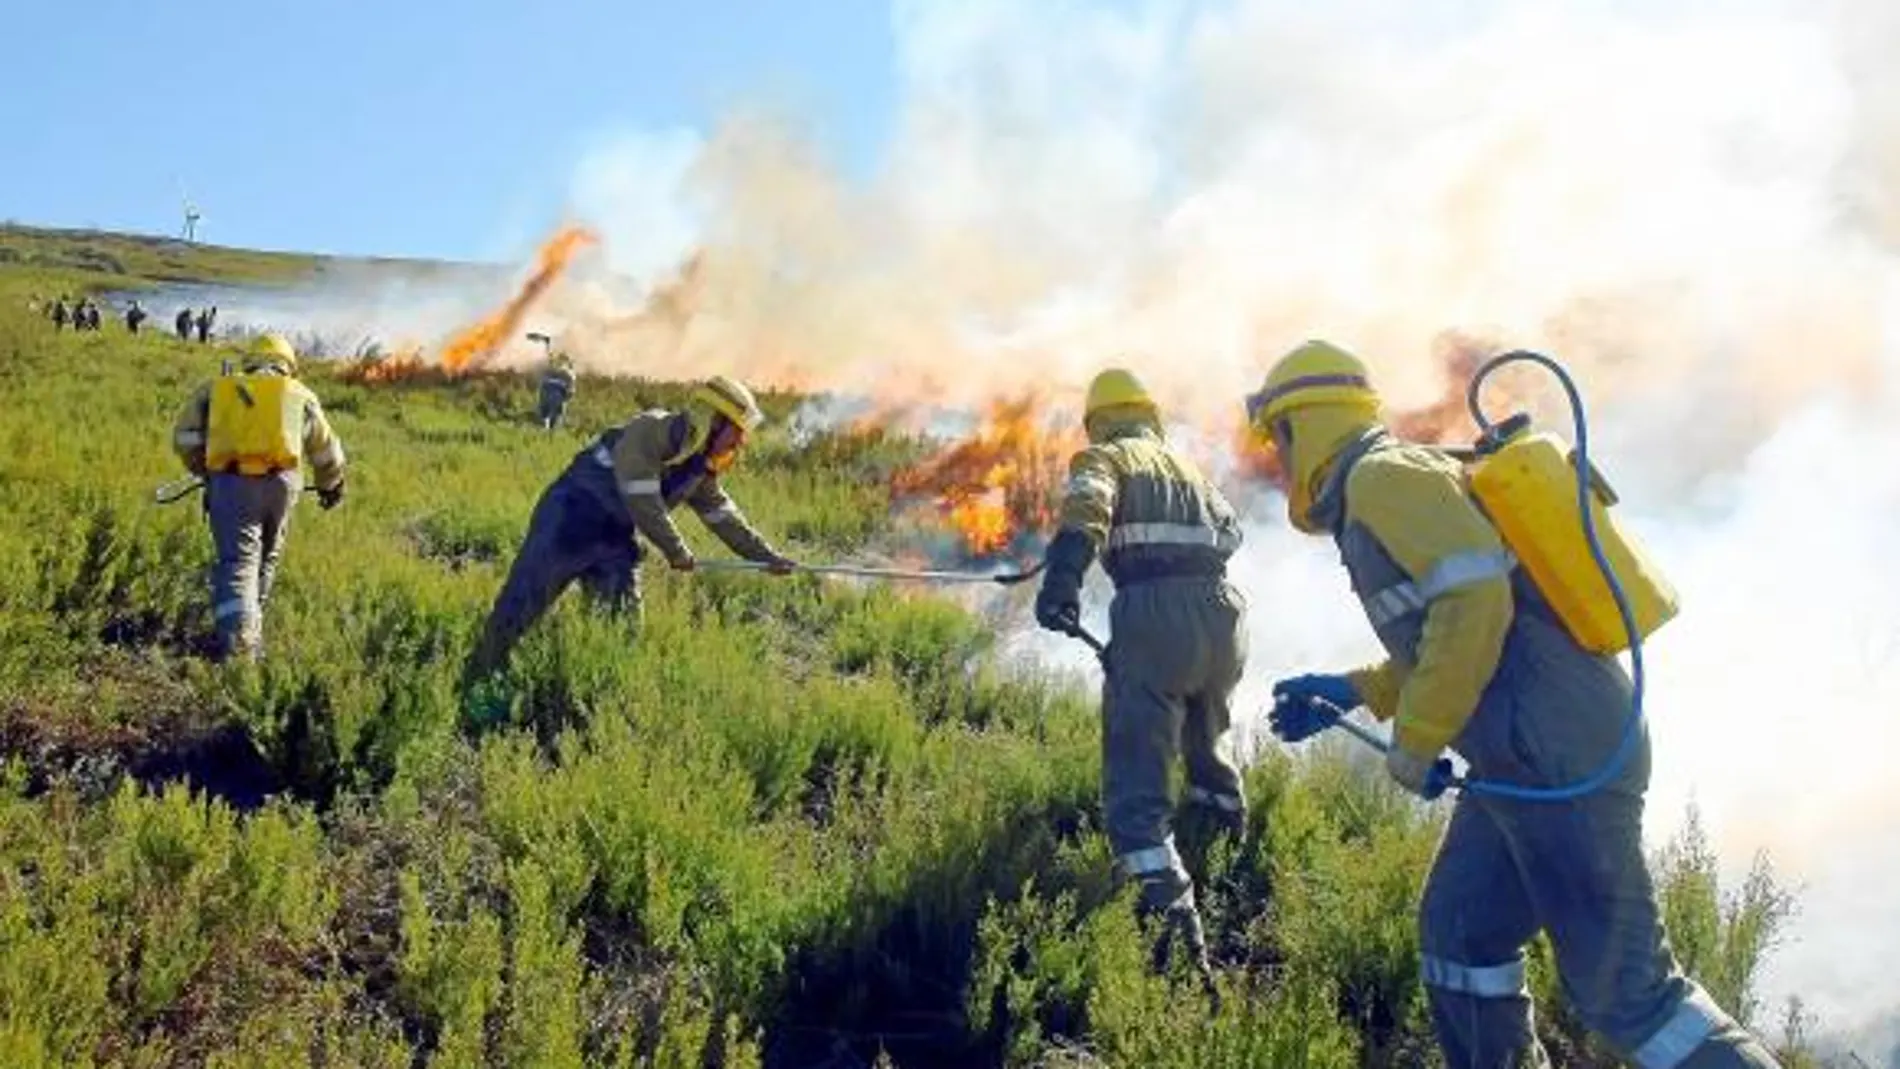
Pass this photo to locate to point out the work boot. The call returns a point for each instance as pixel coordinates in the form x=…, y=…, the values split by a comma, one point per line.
x=1180, y=920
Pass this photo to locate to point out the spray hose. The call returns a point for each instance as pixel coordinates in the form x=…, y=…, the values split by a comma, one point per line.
x=1581, y=461
x=1614, y=764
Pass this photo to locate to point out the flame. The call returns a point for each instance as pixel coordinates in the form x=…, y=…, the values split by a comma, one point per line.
x=999, y=484
x=474, y=345
x=1448, y=418
x=399, y=366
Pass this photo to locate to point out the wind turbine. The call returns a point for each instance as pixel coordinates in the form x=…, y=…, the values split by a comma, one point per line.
x=190, y=231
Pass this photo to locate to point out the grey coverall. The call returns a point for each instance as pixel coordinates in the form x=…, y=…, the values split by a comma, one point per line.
x=1551, y=714
x=583, y=527
x=1177, y=651
x=557, y=386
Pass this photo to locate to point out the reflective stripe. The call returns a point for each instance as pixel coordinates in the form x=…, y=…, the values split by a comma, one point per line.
x=640, y=486
x=1483, y=981
x=1171, y=534
x=1232, y=803
x=1091, y=486
x=1161, y=858
x=231, y=607
x=1262, y=398
x=1450, y=573
x=189, y=439
x=1695, y=1020
x=725, y=513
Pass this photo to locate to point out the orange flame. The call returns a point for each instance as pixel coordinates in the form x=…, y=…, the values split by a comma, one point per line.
x=1000, y=483
x=476, y=344
x=400, y=366
x=471, y=347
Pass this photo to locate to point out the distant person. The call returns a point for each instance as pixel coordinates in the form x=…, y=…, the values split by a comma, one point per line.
x=205, y=319
x=134, y=317
x=557, y=388
x=92, y=315
x=59, y=313
x=247, y=436
x=625, y=483
x=182, y=324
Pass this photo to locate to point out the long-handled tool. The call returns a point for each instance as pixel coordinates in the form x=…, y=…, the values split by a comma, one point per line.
x=1441, y=769
x=860, y=571
x=178, y=488
x=1096, y=644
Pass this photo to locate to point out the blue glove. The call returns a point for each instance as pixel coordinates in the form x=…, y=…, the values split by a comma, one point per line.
x=1297, y=710
x=1425, y=778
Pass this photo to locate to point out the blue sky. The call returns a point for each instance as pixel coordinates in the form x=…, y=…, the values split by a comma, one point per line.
x=411, y=127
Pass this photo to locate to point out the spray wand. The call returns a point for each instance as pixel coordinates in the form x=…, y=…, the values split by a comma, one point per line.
x=863, y=572
x=178, y=488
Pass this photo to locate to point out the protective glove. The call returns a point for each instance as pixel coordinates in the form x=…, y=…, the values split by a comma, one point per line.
x=1422, y=776
x=685, y=562
x=1304, y=706
x=779, y=564
x=330, y=498
x=1059, y=601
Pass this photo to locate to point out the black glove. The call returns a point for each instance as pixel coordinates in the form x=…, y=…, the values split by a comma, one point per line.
x=330, y=498
x=1059, y=601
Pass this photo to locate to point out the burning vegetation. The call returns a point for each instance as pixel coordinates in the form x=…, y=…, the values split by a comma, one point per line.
x=999, y=487
x=471, y=348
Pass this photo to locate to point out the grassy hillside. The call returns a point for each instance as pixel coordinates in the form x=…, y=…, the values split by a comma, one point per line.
x=790, y=823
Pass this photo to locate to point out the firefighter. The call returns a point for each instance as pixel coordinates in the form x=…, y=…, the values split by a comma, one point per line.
x=1178, y=647
x=59, y=313
x=557, y=388
x=134, y=316
x=627, y=482
x=246, y=435
x=1478, y=661
x=182, y=324
x=206, y=316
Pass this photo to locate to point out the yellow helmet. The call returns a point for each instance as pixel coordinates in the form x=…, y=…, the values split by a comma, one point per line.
x=730, y=399
x=1315, y=373
x=270, y=349
x=1117, y=388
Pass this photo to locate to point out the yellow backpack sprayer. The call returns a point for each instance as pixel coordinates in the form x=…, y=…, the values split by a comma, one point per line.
x=1552, y=511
